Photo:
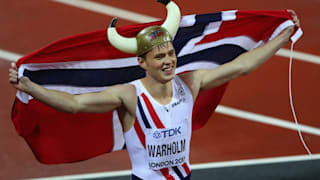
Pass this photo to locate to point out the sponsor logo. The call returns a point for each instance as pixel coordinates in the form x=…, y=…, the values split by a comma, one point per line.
x=181, y=91
x=178, y=102
x=156, y=135
x=167, y=133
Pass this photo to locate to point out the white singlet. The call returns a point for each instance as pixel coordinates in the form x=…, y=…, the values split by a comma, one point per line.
x=159, y=142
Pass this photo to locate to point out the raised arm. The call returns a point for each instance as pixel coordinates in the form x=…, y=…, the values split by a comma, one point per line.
x=100, y=102
x=245, y=63
x=242, y=65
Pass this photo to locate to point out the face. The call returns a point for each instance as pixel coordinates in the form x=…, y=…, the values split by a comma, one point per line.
x=160, y=63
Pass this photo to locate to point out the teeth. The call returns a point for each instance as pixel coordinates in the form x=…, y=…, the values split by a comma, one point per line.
x=168, y=69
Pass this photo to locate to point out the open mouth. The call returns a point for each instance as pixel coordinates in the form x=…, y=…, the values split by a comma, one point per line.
x=168, y=70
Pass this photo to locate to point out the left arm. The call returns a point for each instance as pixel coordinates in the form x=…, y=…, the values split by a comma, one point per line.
x=242, y=65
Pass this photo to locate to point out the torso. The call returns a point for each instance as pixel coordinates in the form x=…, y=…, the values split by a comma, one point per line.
x=174, y=119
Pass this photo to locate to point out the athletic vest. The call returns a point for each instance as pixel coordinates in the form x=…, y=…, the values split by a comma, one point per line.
x=159, y=142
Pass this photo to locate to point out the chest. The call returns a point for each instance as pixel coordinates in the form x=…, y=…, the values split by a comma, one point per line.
x=156, y=115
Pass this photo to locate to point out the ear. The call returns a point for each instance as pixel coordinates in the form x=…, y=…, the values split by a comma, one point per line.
x=142, y=62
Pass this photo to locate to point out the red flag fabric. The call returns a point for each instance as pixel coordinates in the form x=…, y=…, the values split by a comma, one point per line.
x=88, y=63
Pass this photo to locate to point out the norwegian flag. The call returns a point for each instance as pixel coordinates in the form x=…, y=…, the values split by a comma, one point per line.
x=88, y=63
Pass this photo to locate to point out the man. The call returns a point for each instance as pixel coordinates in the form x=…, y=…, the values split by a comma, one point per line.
x=156, y=110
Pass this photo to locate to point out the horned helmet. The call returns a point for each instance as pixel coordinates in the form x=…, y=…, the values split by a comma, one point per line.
x=149, y=37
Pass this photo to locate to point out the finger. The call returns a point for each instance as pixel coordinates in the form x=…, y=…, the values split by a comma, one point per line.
x=294, y=17
x=13, y=65
x=292, y=12
x=13, y=80
x=13, y=75
x=13, y=70
x=296, y=21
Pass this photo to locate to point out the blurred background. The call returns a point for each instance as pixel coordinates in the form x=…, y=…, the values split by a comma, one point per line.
x=30, y=25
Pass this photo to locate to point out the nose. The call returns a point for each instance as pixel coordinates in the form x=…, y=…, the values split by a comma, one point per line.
x=169, y=59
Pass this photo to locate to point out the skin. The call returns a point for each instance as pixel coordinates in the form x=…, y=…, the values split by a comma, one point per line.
x=159, y=64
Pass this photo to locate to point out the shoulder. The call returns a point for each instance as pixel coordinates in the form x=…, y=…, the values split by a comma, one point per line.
x=128, y=96
x=193, y=76
x=189, y=78
x=125, y=91
x=127, y=87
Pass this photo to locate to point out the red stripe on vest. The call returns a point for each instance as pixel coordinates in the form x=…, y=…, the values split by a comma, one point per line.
x=140, y=133
x=165, y=173
x=152, y=112
x=186, y=168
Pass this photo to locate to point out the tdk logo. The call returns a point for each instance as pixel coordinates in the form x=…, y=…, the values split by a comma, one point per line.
x=167, y=133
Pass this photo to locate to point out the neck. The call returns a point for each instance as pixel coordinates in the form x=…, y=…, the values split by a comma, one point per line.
x=162, y=92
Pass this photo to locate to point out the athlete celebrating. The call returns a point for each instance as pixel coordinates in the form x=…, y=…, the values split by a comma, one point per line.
x=155, y=111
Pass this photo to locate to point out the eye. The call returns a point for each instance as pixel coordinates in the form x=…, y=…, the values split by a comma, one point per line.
x=159, y=56
x=171, y=53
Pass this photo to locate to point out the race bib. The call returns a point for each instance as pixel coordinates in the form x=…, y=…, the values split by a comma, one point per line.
x=166, y=147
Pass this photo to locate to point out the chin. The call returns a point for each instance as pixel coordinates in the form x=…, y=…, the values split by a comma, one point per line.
x=164, y=78
x=168, y=78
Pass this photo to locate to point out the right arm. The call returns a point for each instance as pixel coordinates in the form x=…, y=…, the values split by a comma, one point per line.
x=99, y=102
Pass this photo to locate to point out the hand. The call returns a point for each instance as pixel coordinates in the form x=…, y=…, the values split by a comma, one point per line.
x=17, y=83
x=286, y=33
x=294, y=17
